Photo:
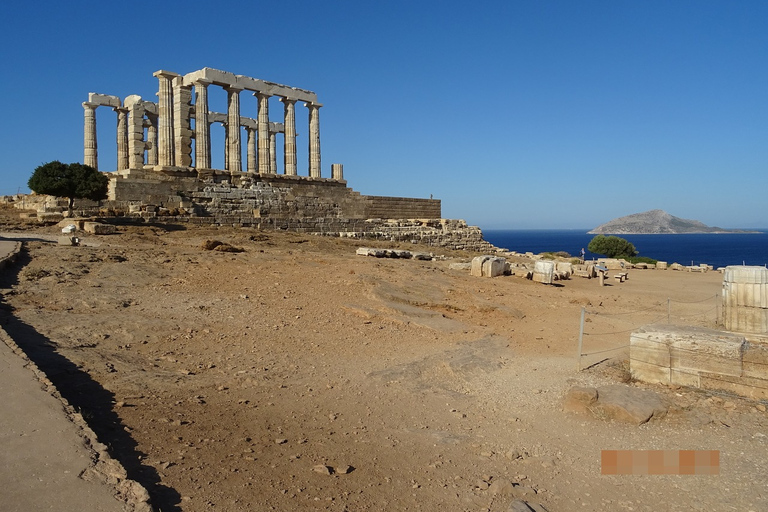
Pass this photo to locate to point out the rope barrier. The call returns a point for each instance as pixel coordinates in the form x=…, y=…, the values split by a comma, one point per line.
x=695, y=301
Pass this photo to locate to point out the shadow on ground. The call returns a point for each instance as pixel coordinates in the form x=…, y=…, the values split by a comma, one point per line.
x=87, y=396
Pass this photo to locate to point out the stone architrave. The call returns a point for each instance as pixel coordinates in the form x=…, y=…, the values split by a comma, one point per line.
x=289, y=147
x=251, y=149
x=314, y=139
x=234, y=152
x=263, y=128
x=165, y=144
x=182, y=122
x=202, y=126
x=90, y=150
x=122, y=138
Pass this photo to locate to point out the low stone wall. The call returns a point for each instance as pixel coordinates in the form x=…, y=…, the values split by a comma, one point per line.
x=700, y=358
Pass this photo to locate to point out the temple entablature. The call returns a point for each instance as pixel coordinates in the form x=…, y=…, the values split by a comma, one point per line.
x=227, y=79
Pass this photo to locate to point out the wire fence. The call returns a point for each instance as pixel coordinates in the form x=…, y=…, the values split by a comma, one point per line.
x=605, y=335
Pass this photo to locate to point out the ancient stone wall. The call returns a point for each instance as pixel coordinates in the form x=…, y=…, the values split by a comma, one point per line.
x=378, y=207
x=700, y=358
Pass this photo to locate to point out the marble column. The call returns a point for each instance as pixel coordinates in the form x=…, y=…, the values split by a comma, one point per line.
x=263, y=127
x=234, y=152
x=289, y=147
x=91, y=153
x=202, y=126
x=226, y=145
x=136, y=143
x=165, y=143
x=337, y=171
x=251, y=150
x=122, y=138
x=272, y=153
x=314, y=139
x=152, y=140
x=182, y=122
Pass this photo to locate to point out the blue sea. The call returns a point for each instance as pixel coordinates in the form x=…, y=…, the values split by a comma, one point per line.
x=718, y=250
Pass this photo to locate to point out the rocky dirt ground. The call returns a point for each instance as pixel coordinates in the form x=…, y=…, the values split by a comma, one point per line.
x=296, y=375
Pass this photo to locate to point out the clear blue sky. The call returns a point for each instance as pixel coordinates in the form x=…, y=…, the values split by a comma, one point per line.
x=517, y=114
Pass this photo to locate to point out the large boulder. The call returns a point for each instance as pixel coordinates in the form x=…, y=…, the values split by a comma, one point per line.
x=616, y=402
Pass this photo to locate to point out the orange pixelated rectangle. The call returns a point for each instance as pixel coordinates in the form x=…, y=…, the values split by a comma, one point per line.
x=660, y=462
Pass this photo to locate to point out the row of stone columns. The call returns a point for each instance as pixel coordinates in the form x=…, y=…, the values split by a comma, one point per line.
x=261, y=150
x=169, y=133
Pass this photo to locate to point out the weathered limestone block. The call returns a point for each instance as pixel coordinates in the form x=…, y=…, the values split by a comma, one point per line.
x=585, y=270
x=78, y=223
x=49, y=216
x=678, y=355
x=68, y=240
x=494, y=267
x=564, y=268
x=661, y=265
x=397, y=253
x=613, y=263
x=477, y=265
x=676, y=266
x=749, y=387
x=745, y=286
x=755, y=360
x=97, y=228
x=368, y=251
x=745, y=299
x=745, y=319
x=544, y=271
x=488, y=266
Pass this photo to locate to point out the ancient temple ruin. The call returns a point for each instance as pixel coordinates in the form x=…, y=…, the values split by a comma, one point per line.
x=164, y=166
x=159, y=135
x=164, y=153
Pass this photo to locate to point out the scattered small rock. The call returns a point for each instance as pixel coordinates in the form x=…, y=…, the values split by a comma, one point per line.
x=323, y=469
x=501, y=486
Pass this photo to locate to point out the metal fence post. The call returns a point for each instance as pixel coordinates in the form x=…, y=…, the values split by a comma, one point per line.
x=581, y=339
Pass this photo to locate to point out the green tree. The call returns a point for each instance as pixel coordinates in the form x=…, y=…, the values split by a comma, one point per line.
x=73, y=181
x=612, y=247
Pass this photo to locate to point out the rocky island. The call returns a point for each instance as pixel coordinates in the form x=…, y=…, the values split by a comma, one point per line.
x=656, y=222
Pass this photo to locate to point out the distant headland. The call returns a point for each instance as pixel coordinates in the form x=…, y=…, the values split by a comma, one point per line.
x=657, y=222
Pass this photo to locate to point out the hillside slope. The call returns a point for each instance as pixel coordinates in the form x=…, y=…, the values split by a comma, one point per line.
x=655, y=222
